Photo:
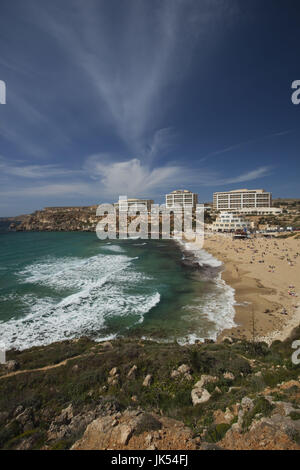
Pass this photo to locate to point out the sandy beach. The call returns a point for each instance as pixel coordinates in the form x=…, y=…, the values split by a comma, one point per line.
x=265, y=273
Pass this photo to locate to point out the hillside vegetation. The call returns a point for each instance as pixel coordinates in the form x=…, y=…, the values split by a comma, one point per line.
x=127, y=393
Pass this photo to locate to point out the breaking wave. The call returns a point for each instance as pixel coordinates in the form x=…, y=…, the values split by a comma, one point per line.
x=83, y=295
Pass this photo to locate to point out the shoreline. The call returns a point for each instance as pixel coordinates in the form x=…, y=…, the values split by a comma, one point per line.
x=266, y=295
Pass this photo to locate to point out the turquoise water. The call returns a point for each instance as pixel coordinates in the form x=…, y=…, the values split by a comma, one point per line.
x=56, y=286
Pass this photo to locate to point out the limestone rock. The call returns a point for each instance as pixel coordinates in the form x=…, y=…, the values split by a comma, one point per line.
x=188, y=377
x=113, y=380
x=175, y=374
x=132, y=373
x=199, y=395
x=12, y=366
x=148, y=380
x=228, y=376
x=125, y=434
x=136, y=430
x=206, y=379
x=184, y=369
x=113, y=371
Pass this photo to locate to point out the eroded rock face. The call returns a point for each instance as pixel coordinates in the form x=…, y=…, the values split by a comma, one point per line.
x=26, y=419
x=68, y=424
x=274, y=433
x=60, y=219
x=136, y=430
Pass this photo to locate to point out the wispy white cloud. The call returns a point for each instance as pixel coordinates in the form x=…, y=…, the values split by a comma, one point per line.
x=49, y=190
x=130, y=73
x=135, y=178
x=23, y=170
x=244, y=144
x=251, y=175
x=102, y=179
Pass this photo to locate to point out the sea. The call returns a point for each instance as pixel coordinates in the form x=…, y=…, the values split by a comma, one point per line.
x=56, y=286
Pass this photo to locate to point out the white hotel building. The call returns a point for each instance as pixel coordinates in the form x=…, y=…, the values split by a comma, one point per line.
x=248, y=199
x=228, y=222
x=182, y=198
x=124, y=204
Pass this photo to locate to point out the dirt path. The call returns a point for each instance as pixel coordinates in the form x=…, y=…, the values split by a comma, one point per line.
x=41, y=369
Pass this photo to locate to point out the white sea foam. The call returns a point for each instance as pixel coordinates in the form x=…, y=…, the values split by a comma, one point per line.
x=202, y=257
x=114, y=248
x=217, y=305
x=102, y=290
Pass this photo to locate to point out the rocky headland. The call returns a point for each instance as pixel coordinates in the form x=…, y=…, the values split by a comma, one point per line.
x=51, y=219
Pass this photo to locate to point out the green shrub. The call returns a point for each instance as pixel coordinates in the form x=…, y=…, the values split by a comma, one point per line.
x=262, y=406
x=295, y=415
x=216, y=432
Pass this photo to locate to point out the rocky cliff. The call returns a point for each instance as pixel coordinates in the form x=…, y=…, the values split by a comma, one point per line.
x=59, y=219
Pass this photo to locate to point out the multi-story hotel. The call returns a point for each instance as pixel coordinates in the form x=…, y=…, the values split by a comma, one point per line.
x=228, y=222
x=181, y=197
x=124, y=204
x=242, y=198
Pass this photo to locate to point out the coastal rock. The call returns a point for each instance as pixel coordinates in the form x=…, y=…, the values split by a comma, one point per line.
x=199, y=395
x=221, y=417
x=12, y=366
x=114, y=377
x=106, y=345
x=26, y=419
x=247, y=404
x=184, y=369
x=227, y=339
x=175, y=374
x=228, y=376
x=148, y=380
x=132, y=373
x=113, y=371
x=125, y=434
x=65, y=416
x=67, y=424
x=188, y=377
x=136, y=430
x=204, y=380
x=113, y=380
x=274, y=433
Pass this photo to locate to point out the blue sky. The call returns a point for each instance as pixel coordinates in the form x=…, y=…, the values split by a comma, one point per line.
x=141, y=97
